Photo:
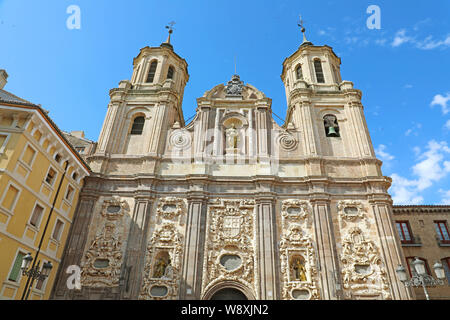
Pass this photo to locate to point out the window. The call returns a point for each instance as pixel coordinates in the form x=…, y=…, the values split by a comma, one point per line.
x=10, y=198
x=15, y=272
x=74, y=176
x=152, y=71
x=138, y=125
x=446, y=264
x=298, y=72
x=69, y=193
x=28, y=155
x=442, y=231
x=170, y=73
x=331, y=126
x=58, y=230
x=404, y=231
x=40, y=282
x=80, y=149
x=58, y=157
x=319, y=72
x=36, y=215
x=409, y=261
x=50, y=179
x=3, y=138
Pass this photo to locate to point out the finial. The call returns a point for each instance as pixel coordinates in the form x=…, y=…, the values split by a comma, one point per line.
x=303, y=30
x=170, y=28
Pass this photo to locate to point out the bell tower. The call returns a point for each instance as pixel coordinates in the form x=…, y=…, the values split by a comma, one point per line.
x=327, y=110
x=142, y=109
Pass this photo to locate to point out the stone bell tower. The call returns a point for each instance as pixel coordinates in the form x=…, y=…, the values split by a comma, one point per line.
x=141, y=110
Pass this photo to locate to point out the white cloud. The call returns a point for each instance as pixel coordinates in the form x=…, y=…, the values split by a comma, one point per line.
x=428, y=43
x=414, y=129
x=382, y=154
x=445, y=197
x=401, y=38
x=447, y=125
x=442, y=101
x=432, y=167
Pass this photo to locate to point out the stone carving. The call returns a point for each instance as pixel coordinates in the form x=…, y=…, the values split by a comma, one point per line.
x=180, y=139
x=230, y=235
x=164, y=252
x=351, y=210
x=232, y=137
x=287, y=142
x=235, y=86
x=363, y=273
x=298, y=267
x=102, y=261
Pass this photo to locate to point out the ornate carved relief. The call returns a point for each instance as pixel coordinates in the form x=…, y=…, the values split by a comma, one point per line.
x=298, y=268
x=230, y=244
x=102, y=261
x=287, y=141
x=162, y=268
x=180, y=139
x=363, y=273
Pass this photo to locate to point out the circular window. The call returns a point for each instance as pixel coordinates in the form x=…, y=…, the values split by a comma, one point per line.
x=230, y=261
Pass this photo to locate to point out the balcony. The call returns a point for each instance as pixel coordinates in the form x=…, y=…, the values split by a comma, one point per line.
x=414, y=242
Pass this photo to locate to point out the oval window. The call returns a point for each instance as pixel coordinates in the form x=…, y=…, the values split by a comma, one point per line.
x=113, y=209
x=101, y=263
x=230, y=261
x=299, y=294
x=159, y=291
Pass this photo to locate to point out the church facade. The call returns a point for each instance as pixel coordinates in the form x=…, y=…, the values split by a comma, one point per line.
x=231, y=204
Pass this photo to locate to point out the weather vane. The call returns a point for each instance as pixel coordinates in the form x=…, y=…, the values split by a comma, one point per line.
x=170, y=28
x=301, y=25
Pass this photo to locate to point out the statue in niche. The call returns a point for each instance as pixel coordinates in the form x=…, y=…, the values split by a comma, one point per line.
x=161, y=267
x=232, y=137
x=299, y=269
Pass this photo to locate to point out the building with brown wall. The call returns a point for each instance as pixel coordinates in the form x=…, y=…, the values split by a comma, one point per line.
x=424, y=233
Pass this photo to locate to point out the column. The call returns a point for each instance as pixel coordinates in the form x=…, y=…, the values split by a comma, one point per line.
x=328, y=267
x=267, y=250
x=74, y=249
x=391, y=251
x=191, y=280
x=133, y=265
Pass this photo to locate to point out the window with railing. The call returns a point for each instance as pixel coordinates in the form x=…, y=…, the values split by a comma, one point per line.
x=405, y=234
x=442, y=232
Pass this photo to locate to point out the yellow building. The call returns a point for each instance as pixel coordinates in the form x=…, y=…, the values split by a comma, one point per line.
x=36, y=161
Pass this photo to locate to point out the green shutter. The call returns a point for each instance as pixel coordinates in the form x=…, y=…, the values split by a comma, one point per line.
x=16, y=268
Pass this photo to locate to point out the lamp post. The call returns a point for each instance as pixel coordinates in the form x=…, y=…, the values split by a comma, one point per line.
x=34, y=273
x=420, y=276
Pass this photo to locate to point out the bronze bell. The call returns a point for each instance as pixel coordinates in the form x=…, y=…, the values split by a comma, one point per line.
x=332, y=132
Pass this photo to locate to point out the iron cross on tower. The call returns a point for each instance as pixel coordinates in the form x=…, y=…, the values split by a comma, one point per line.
x=170, y=28
x=300, y=24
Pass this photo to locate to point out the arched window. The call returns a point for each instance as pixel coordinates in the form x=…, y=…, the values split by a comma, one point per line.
x=152, y=71
x=138, y=125
x=298, y=72
x=331, y=126
x=170, y=73
x=319, y=72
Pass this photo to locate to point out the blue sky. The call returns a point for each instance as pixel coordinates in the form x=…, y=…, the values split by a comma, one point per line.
x=402, y=69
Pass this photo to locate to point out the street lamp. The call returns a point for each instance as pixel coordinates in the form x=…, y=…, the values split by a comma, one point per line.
x=420, y=276
x=34, y=273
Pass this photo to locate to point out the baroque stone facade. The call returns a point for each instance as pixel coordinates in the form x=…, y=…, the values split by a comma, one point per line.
x=232, y=200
